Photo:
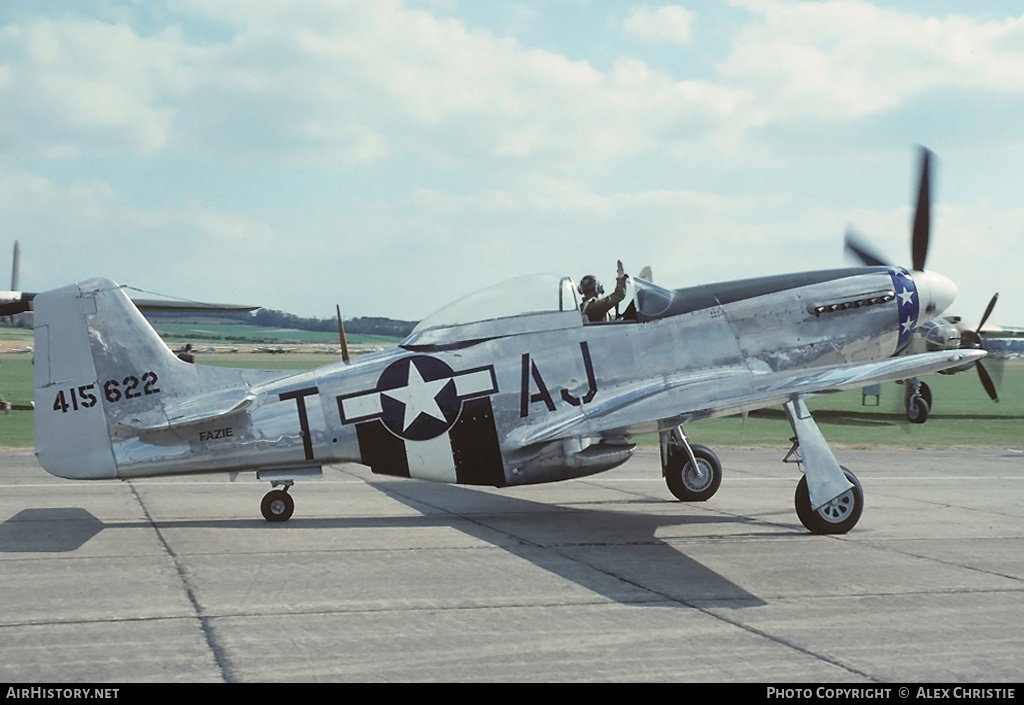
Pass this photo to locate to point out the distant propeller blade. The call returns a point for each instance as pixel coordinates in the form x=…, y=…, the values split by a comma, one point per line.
x=16, y=267
x=855, y=245
x=15, y=286
x=972, y=338
x=986, y=381
x=922, y=217
x=988, y=312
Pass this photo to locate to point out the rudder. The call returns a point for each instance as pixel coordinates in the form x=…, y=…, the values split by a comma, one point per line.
x=99, y=368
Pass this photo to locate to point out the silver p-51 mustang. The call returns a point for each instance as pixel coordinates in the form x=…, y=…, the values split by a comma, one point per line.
x=492, y=390
x=481, y=394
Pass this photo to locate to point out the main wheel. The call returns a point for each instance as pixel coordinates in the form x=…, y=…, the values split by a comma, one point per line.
x=837, y=516
x=689, y=483
x=917, y=409
x=277, y=505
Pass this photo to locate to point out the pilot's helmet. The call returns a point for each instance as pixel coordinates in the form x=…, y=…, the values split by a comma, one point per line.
x=590, y=286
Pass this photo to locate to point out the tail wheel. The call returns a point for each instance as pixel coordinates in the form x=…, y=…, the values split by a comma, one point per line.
x=277, y=505
x=693, y=484
x=838, y=515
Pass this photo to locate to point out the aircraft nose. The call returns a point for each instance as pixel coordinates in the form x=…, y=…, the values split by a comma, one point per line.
x=937, y=294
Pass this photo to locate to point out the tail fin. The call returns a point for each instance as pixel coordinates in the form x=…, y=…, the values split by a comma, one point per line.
x=103, y=376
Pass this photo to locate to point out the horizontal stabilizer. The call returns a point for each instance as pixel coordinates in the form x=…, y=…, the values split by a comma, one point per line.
x=197, y=409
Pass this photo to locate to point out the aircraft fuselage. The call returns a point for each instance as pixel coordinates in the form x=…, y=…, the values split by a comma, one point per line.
x=477, y=410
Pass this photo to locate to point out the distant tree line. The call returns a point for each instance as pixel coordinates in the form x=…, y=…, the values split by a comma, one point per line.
x=270, y=318
x=364, y=325
x=377, y=325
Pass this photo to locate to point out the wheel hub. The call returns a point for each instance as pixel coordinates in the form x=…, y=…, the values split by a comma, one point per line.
x=838, y=509
x=697, y=478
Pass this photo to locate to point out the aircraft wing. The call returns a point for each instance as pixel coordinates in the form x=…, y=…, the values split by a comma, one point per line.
x=688, y=397
x=15, y=302
x=1004, y=347
x=1002, y=332
x=168, y=306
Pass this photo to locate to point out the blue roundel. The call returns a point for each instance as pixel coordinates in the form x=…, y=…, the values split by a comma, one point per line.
x=908, y=304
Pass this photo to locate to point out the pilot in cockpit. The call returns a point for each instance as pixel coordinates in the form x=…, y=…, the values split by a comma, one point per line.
x=596, y=308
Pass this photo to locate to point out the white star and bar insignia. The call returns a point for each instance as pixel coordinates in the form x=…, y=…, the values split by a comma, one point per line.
x=418, y=398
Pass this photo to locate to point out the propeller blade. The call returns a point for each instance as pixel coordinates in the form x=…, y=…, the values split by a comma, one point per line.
x=15, y=276
x=986, y=381
x=855, y=245
x=972, y=338
x=342, y=338
x=988, y=312
x=16, y=267
x=922, y=217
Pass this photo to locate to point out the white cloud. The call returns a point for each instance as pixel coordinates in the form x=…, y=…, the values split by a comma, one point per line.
x=357, y=82
x=669, y=23
x=845, y=59
x=337, y=82
x=72, y=86
x=87, y=228
x=346, y=139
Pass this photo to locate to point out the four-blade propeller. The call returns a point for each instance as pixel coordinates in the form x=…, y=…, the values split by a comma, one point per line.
x=920, y=236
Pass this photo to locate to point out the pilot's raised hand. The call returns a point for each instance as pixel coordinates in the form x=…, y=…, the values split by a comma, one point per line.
x=621, y=272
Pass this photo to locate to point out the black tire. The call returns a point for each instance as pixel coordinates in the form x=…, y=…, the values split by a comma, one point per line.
x=926, y=393
x=277, y=505
x=690, y=484
x=917, y=409
x=838, y=516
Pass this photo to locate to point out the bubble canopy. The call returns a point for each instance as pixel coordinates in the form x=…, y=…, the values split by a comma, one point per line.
x=530, y=294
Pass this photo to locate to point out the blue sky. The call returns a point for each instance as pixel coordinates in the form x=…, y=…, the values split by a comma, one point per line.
x=392, y=156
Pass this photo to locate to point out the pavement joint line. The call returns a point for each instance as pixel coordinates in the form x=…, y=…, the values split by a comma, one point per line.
x=204, y=623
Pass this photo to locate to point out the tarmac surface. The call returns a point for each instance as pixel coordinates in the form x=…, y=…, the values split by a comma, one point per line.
x=601, y=579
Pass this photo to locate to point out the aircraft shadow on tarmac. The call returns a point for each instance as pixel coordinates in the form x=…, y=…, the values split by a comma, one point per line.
x=50, y=530
x=615, y=554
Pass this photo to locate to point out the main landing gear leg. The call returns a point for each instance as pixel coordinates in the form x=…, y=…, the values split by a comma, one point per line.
x=829, y=499
x=692, y=473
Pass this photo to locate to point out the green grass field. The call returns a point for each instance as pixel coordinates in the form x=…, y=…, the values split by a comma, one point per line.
x=230, y=333
x=962, y=415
